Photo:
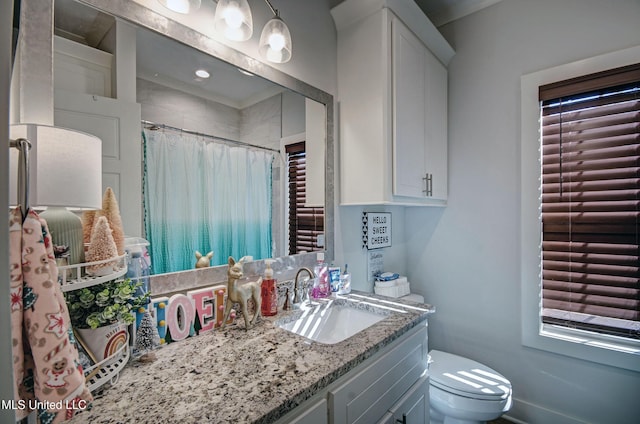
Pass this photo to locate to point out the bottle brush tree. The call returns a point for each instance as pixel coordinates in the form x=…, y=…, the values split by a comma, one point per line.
x=102, y=247
x=88, y=218
x=111, y=211
x=147, y=337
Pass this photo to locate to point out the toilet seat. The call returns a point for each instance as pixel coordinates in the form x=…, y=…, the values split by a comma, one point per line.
x=465, y=377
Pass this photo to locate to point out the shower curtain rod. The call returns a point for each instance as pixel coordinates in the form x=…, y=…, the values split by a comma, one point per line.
x=153, y=126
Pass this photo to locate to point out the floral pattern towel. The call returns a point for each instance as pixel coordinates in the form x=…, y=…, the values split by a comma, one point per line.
x=48, y=377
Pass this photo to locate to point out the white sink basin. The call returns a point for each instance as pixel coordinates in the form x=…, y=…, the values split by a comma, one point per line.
x=331, y=321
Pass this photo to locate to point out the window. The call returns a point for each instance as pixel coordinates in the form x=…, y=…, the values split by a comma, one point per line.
x=305, y=223
x=590, y=157
x=574, y=300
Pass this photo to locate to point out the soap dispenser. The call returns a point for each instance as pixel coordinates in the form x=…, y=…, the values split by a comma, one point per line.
x=269, y=305
x=321, y=286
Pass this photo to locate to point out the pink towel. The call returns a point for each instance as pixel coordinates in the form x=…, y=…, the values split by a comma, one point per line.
x=48, y=376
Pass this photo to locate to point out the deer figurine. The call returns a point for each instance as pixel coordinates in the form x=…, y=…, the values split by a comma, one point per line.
x=241, y=293
x=203, y=261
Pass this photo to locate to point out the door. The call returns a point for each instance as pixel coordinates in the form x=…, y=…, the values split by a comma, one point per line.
x=408, y=76
x=314, y=414
x=435, y=119
x=413, y=407
x=117, y=123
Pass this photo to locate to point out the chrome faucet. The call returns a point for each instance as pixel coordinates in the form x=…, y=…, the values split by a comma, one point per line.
x=297, y=299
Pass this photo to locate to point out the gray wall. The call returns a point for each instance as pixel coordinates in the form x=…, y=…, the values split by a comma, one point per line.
x=6, y=391
x=465, y=259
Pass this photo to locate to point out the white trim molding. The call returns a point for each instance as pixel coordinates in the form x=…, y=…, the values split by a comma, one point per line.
x=458, y=9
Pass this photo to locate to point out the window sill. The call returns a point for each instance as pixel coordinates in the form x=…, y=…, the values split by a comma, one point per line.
x=586, y=338
x=580, y=345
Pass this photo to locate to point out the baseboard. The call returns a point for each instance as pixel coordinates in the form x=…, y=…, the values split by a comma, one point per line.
x=528, y=413
x=512, y=420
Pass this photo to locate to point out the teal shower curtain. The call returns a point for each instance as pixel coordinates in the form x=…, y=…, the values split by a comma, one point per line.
x=205, y=196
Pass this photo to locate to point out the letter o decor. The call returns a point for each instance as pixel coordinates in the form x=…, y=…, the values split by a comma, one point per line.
x=180, y=306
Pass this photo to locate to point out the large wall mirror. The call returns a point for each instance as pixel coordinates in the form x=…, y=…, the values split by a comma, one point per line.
x=244, y=105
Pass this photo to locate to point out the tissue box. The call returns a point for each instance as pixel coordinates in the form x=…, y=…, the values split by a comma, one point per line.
x=393, y=288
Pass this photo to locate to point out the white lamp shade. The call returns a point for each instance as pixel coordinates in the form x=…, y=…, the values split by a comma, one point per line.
x=181, y=6
x=275, y=41
x=233, y=20
x=65, y=167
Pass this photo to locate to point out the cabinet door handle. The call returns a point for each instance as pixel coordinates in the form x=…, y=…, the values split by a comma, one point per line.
x=403, y=420
x=428, y=182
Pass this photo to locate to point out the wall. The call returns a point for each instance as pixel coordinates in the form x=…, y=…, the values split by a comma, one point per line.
x=176, y=108
x=6, y=390
x=465, y=259
x=349, y=243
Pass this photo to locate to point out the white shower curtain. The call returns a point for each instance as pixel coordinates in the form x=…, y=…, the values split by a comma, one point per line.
x=205, y=196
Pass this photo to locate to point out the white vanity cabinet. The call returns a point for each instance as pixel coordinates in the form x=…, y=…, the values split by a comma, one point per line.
x=392, y=94
x=370, y=393
x=413, y=408
x=312, y=412
x=392, y=384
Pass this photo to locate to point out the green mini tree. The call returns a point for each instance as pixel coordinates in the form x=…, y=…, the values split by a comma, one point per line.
x=147, y=337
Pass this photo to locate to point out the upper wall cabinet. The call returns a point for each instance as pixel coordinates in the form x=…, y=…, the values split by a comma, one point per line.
x=392, y=93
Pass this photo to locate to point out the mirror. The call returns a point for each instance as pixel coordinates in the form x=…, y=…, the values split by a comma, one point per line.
x=173, y=99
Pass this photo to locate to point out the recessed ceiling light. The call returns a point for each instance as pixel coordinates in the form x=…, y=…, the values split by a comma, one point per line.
x=202, y=73
x=245, y=72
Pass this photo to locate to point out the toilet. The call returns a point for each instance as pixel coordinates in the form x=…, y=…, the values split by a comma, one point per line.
x=463, y=391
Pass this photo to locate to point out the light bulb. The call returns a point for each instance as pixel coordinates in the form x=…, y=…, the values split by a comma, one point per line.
x=276, y=41
x=233, y=16
x=233, y=19
x=181, y=6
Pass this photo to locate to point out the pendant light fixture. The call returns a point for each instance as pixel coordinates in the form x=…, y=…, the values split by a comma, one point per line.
x=233, y=19
x=181, y=6
x=275, y=40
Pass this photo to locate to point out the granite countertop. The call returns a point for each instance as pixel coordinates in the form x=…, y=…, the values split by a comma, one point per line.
x=238, y=376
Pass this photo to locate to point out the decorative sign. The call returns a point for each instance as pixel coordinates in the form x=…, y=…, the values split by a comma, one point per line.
x=177, y=316
x=376, y=230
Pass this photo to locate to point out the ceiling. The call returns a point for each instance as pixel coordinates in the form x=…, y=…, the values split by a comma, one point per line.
x=441, y=12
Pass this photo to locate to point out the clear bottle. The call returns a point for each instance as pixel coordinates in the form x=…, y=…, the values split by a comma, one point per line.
x=138, y=271
x=321, y=287
x=345, y=281
x=269, y=292
x=334, y=278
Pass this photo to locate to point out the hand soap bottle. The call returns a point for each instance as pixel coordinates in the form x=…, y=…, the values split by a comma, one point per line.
x=269, y=292
x=321, y=286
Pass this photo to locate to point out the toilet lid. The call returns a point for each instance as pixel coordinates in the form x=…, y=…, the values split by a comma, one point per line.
x=464, y=377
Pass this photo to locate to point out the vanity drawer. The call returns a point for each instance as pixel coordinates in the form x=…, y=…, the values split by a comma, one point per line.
x=372, y=391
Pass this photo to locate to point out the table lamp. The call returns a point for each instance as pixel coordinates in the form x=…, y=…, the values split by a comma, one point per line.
x=65, y=172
